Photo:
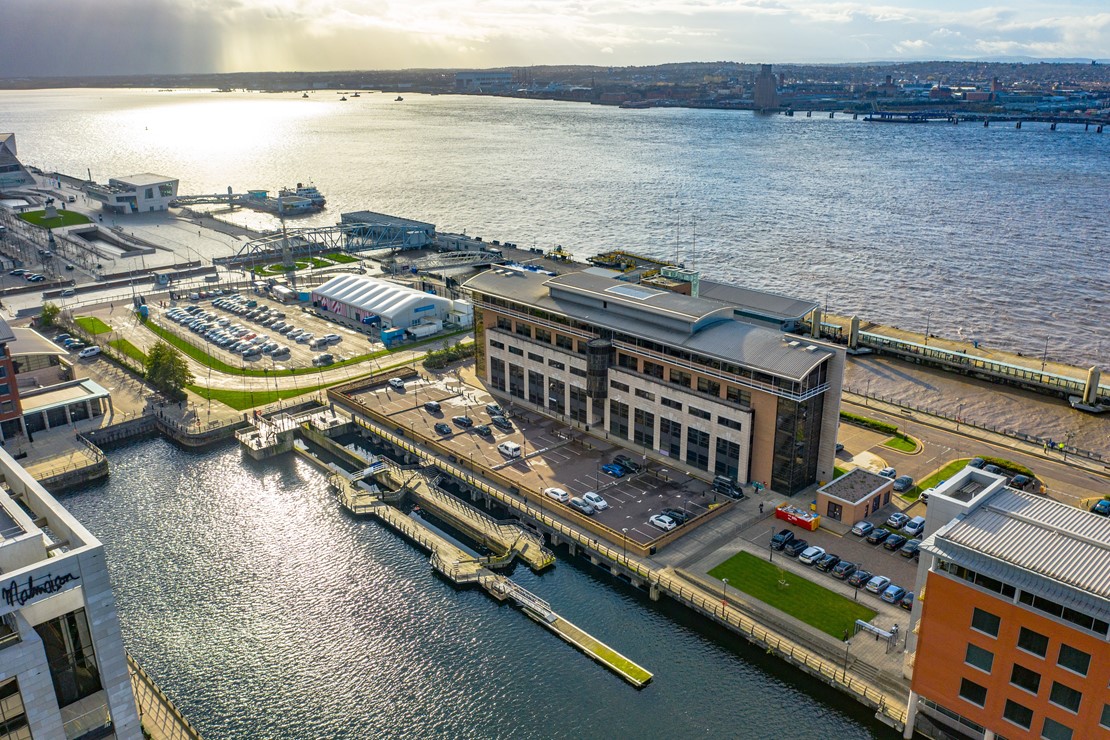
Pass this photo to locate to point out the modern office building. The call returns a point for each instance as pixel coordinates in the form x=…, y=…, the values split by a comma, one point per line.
x=483, y=81
x=11, y=412
x=63, y=670
x=677, y=376
x=135, y=194
x=12, y=172
x=1009, y=636
x=766, y=95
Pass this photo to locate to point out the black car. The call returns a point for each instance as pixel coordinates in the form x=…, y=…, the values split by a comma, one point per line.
x=910, y=549
x=627, y=463
x=795, y=547
x=827, y=563
x=483, y=431
x=463, y=421
x=878, y=535
x=442, y=428
x=844, y=569
x=782, y=539
x=501, y=423
x=625, y=469
x=894, y=541
x=976, y=462
x=678, y=515
x=859, y=578
x=432, y=407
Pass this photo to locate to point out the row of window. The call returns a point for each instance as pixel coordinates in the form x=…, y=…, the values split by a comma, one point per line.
x=1073, y=659
x=698, y=441
x=1022, y=716
x=1086, y=621
x=693, y=411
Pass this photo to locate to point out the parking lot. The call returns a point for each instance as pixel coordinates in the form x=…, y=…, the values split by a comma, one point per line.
x=551, y=455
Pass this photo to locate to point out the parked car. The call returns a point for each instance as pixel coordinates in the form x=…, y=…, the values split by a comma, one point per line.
x=494, y=410
x=614, y=470
x=903, y=483
x=889, y=473
x=811, y=555
x=432, y=407
x=859, y=577
x=895, y=541
x=62, y=337
x=680, y=516
x=893, y=594
x=463, y=421
x=976, y=462
x=663, y=522
x=557, y=493
x=878, y=584
x=843, y=570
x=827, y=563
x=910, y=549
x=782, y=539
x=992, y=469
x=628, y=463
x=397, y=384
x=897, y=520
x=914, y=526
x=501, y=423
x=907, y=601
x=332, y=338
x=89, y=352
x=595, y=501
x=878, y=535
x=624, y=467
x=68, y=292
x=582, y=506
x=795, y=547
x=1101, y=507
x=324, y=359
x=442, y=428
x=483, y=430
x=926, y=494
x=1020, y=482
x=862, y=528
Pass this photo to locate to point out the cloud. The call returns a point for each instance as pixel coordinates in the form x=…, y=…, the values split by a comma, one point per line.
x=908, y=46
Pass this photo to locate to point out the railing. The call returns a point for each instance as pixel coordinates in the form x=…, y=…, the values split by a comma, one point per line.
x=945, y=413
x=156, y=708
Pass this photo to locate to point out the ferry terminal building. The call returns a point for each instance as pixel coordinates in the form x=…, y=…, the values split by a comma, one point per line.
x=678, y=376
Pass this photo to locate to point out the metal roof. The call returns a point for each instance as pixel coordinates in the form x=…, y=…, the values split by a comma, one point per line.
x=143, y=179
x=1043, y=546
x=6, y=333
x=758, y=302
x=30, y=342
x=708, y=328
x=377, y=296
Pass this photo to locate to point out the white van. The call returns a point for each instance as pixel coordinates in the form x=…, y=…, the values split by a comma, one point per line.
x=509, y=449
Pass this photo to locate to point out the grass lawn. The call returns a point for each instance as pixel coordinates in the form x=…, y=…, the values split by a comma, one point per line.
x=901, y=443
x=933, y=479
x=241, y=400
x=317, y=262
x=339, y=257
x=129, y=349
x=92, y=325
x=802, y=599
x=837, y=472
x=65, y=218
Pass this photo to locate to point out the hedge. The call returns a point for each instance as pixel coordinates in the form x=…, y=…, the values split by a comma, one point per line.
x=863, y=421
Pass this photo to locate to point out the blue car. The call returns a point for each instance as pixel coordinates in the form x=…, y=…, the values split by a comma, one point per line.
x=1102, y=507
x=614, y=470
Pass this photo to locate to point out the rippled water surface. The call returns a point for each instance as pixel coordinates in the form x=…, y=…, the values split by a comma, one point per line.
x=264, y=611
x=987, y=233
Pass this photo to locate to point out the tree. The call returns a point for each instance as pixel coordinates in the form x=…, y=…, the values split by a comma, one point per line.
x=167, y=371
x=49, y=315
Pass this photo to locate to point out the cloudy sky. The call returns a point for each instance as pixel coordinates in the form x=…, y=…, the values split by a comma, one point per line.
x=92, y=37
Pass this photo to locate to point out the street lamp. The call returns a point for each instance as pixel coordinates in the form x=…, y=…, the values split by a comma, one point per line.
x=624, y=532
x=847, y=644
x=959, y=416
x=724, y=592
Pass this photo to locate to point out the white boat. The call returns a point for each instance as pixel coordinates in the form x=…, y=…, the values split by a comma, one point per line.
x=305, y=191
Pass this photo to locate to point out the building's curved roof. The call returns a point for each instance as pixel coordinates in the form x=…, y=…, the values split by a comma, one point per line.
x=377, y=296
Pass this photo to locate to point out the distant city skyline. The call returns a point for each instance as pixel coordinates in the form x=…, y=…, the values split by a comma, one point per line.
x=129, y=37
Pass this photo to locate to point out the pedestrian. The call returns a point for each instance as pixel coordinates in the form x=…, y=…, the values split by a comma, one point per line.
x=111, y=307
x=760, y=507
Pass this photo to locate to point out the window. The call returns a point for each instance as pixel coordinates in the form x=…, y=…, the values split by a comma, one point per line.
x=524, y=330
x=577, y=371
x=628, y=362
x=1026, y=679
x=504, y=323
x=1105, y=721
x=727, y=461
x=699, y=413
x=671, y=404
x=653, y=369
x=534, y=357
x=516, y=381
x=497, y=344
x=1074, y=660
x=985, y=622
x=640, y=393
x=978, y=657
x=516, y=351
x=643, y=428
x=536, y=390
x=618, y=418
x=543, y=335
x=670, y=437
x=697, y=448
x=1018, y=714
x=556, y=364
x=738, y=395
x=1086, y=621
x=730, y=423
x=973, y=692
x=618, y=385
x=1033, y=642
x=13, y=716
x=1065, y=696
x=69, y=654
x=712, y=387
x=562, y=341
x=680, y=377
x=579, y=408
x=5, y=389
x=1053, y=730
